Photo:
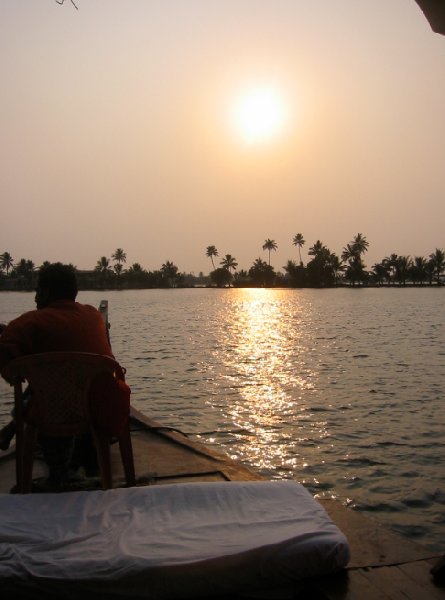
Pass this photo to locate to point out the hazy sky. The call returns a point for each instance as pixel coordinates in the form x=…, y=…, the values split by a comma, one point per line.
x=117, y=129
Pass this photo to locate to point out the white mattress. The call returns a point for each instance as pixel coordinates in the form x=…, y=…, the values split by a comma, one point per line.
x=170, y=541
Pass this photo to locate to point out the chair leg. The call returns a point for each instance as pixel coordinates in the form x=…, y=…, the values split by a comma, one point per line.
x=29, y=441
x=126, y=450
x=104, y=459
x=19, y=441
x=19, y=436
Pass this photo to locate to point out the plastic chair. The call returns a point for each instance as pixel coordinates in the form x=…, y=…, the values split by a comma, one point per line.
x=60, y=383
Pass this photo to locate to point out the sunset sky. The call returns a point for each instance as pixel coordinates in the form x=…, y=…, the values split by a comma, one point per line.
x=163, y=127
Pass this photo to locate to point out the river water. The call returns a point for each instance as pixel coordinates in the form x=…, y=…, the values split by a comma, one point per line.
x=340, y=389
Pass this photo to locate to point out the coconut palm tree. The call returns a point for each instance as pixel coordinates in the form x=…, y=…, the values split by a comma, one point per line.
x=403, y=266
x=136, y=268
x=391, y=263
x=24, y=270
x=320, y=270
x=120, y=257
x=418, y=270
x=6, y=262
x=336, y=266
x=229, y=263
x=169, y=272
x=270, y=245
x=352, y=254
x=103, y=265
x=211, y=251
x=380, y=272
x=261, y=273
x=430, y=268
x=118, y=269
x=316, y=248
x=360, y=244
x=438, y=261
x=300, y=242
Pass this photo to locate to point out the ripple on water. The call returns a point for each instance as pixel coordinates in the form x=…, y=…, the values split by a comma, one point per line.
x=341, y=390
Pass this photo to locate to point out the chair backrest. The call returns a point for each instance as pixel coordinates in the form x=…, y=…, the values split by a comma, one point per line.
x=59, y=383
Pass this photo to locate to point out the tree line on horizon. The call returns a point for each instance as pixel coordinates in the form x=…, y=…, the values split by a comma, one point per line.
x=22, y=275
x=327, y=269
x=324, y=269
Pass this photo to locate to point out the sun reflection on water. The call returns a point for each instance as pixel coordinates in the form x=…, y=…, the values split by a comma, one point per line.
x=263, y=338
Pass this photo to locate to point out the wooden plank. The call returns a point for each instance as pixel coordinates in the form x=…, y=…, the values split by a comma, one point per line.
x=371, y=543
x=394, y=582
x=349, y=585
x=420, y=573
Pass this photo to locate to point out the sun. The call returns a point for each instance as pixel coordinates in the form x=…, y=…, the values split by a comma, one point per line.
x=259, y=114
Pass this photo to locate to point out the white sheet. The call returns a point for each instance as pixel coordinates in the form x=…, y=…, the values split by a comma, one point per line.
x=170, y=541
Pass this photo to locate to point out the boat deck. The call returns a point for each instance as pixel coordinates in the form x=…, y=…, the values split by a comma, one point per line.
x=384, y=565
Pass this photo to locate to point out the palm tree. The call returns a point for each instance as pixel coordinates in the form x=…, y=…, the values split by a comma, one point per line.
x=103, y=265
x=169, y=271
x=270, y=245
x=261, y=273
x=136, y=268
x=380, y=272
x=352, y=254
x=430, y=268
x=348, y=253
x=418, y=270
x=320, y=270
x=6, y=262
x=300, y=242
x=336, y=266
x=229, y=263
x=316, y=249
x=118, y=269
x=120, y=257
x=438, y=261
x=24, y=269
x=403, y=266
x=391, y=263
x=360, y=244
x=210, y=253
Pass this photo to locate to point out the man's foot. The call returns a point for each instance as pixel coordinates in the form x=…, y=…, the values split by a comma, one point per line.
x=6, y=435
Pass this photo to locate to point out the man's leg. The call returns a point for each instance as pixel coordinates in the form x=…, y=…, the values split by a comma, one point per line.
x=6, y=435
x=8, y=431
x=57, y=452
x=85, y=455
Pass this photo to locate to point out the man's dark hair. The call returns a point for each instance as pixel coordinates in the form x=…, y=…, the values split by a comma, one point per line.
x=59, y=281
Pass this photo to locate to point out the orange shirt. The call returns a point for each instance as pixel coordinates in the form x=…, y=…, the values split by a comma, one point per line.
x=64, y=325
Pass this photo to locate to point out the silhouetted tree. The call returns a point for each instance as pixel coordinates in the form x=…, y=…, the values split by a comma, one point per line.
x=437, y=259
x=211, y=251
x=229, y=263
x=391, y=263
x=119, y=257
x=380, y=273
x=103, y=266
x=320, y=270
x=23, y=271
x=402, y=269
x=6, y=262
x=261, y=273
x=170, y=273
x=299, y=241
x=270, y=245
x=352, y=255
x=296, y=274
x=221, y=277
x=417, y=271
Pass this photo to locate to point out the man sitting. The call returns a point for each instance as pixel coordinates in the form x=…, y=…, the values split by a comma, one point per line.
x=58, y=324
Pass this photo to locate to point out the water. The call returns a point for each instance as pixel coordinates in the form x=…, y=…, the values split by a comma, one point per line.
x=341, y=389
